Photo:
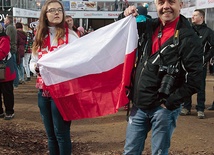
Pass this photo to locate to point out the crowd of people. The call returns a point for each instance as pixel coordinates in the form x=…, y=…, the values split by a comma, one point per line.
x=172, y=60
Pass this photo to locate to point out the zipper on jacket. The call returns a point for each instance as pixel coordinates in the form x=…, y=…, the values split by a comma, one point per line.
x=141, y=57
x=138, y=82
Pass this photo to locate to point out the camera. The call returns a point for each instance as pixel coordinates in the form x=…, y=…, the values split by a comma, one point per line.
x=168, y=74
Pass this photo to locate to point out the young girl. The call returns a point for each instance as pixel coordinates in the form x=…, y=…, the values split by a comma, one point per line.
x=52, y=33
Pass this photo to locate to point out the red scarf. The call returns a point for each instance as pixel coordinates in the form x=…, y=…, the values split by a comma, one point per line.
x=46, y=48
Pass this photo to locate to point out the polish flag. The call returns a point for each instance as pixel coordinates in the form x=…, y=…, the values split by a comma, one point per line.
x=89, y=77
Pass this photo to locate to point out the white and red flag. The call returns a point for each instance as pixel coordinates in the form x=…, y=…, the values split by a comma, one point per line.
x=88, y=77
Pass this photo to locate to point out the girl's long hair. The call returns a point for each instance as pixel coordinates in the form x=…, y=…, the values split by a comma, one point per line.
x=42, y=28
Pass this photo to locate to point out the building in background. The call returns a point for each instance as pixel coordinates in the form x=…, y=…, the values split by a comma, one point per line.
x=29, y=9
x=95, y=13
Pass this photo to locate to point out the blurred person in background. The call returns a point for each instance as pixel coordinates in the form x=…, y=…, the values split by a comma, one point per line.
x=12, y=33
x=212, y=105
x=81, y=30
x=6, y=84
x=90, y=29
x=28, y=51
x=71, y=26
x=21, y=41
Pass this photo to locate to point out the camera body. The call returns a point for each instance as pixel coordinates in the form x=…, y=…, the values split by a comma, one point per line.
x=168, y=75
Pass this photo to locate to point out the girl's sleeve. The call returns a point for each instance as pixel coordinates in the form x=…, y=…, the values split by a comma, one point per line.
x=33, y=63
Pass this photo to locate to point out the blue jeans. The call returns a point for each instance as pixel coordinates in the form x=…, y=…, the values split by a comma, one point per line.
x=161, y=121
x=16, y=80
x=57, y=130
x=21, y=70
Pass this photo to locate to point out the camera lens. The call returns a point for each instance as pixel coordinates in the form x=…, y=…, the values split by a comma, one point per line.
x=162, y=71
x=166, y=84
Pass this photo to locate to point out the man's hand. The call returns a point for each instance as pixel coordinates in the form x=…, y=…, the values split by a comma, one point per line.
x=131, y=10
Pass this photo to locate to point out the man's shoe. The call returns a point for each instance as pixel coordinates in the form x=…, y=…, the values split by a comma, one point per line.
x=201, y=115
x=210, y=108
x=9, y=116
x=2, y=115
x=185, y=112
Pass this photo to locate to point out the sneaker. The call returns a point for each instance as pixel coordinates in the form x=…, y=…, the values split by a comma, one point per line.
x=15, y=87
x=28, y=79
x=9, y=116
x=210, y=108
x=201, y=115
x=21, y=82
x=185, y=112
x=2, y=115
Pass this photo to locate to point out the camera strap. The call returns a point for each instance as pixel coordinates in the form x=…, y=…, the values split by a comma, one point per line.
x=176, y=38
x=175, y=42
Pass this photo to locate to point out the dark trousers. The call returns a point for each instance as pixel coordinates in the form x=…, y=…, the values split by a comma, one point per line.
x=211, y=69
x=6, y=91
x=200, y=106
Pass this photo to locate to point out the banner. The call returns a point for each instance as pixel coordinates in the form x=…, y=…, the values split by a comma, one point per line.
x=88, y=77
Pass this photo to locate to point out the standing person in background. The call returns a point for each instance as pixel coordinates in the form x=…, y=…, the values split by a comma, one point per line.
x=71, y=25
x=28, y=51
x=169, y=69
x=142, y=13
x=6, y=85
x=70, y=22
x=206, y=36
x=212, y=104
x=21, y=41
x=12, y=33
x=90, y=29
x=52, y=32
